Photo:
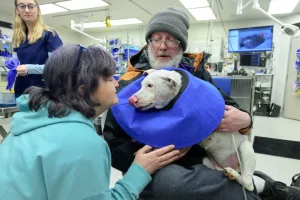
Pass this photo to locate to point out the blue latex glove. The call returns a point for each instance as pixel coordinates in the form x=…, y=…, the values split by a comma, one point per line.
x=11, y=77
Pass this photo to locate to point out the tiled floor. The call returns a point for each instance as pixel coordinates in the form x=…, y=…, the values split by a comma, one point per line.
x=281, y=169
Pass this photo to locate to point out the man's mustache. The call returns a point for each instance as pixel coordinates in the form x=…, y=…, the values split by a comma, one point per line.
x=163, y=54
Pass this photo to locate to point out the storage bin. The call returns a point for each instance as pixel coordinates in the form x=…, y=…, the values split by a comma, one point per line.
x=7, y=99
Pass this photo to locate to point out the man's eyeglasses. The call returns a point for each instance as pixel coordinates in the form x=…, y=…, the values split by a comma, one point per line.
x=169, y=43
x=22, y=7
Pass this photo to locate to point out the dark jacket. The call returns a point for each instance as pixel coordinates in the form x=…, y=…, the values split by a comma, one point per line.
x=35, y=54
x=121, y=145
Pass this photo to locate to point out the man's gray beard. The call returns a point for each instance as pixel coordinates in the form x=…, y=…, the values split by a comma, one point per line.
x=157, y=64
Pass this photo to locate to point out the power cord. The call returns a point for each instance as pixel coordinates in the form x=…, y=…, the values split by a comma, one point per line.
x=238, y=58
x=241, y=166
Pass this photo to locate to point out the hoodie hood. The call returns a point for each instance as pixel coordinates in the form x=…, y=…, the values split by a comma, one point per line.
x=25, y=120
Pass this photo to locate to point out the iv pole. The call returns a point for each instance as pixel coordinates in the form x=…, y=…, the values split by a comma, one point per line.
x=289, y=29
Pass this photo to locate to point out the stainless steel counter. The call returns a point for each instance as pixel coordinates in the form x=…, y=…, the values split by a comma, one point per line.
x=6, y=113
x=242, y=91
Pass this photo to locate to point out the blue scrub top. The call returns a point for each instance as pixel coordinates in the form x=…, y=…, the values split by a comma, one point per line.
x=36, y=53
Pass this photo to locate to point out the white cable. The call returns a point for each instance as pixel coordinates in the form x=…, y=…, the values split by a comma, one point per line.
x=241, y=167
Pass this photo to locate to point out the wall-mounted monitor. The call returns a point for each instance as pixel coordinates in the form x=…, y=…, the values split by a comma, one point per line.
x=254, y=39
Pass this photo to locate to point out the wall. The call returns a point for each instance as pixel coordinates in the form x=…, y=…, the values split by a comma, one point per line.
x=292, y=19
x=280, y=65
x=196, y=31
x=68, y=36
x=197, y=35
x=136, y=35
x=281, y=56
x=199, y=32
x=6, y=17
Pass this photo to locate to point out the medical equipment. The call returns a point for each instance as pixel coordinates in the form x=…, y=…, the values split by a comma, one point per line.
x=75, y=27
x=289, y=29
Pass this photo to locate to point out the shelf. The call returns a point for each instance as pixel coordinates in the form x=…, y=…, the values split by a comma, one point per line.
x=260, y=113
x=264, y=87
x=263, y=74
x=261, y=101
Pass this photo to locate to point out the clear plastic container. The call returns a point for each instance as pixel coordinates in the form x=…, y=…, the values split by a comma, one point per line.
x=296, y=88
x=298, y=53
x=7, y=98
x=297, y=65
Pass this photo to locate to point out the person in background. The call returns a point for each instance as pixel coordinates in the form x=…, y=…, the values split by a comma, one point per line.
x=187, y=178
x=53, y=151
x=33, y=42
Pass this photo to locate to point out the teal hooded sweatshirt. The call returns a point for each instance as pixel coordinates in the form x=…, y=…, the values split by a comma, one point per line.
x=60, y=159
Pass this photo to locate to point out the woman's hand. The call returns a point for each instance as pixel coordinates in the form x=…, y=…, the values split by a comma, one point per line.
x=156, y=159
x=22, y=70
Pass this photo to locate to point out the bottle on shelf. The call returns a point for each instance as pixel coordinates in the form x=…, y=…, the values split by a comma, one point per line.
x=296, y=83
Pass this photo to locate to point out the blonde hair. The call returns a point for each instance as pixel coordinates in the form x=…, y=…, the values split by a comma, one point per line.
x=20, y=28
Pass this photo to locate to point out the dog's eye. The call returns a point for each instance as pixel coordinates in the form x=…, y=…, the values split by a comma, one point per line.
x=150, y=85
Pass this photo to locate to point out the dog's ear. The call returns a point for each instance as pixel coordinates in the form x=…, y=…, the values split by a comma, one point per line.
x=171, y=81
x=149, y=71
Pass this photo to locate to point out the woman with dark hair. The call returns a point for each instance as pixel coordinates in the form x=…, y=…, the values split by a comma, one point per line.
x=53, y=150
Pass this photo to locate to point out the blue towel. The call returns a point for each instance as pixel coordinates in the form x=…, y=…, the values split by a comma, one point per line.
x=11, y=77
x=194, y=116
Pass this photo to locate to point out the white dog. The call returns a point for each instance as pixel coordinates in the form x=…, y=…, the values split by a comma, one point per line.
x=223, y=149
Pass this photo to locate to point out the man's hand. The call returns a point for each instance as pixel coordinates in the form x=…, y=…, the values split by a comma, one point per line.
x=22, y=70
x=233, y=120
x=183, y=152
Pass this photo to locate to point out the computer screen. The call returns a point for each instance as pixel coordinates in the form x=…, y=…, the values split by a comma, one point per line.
x=254, y=39
x=250, y=59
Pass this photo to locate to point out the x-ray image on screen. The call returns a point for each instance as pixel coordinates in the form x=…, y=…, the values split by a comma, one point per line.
x=250, y=39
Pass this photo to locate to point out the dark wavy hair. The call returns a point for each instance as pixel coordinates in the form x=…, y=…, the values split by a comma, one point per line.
x=62, y=82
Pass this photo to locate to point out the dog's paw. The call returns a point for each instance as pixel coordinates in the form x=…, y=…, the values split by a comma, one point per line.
x=247, y=183
x=249, y=187
x=231, y=173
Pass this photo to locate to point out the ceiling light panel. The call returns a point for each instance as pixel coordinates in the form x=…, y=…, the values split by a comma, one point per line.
x=194, y=3
x=202, y=14
x=82, y=4
x=129, y=21
x=282, y=7
x=92, y=25
x=51, y=8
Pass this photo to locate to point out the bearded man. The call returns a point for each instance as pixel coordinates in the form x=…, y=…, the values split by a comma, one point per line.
x=187, y=178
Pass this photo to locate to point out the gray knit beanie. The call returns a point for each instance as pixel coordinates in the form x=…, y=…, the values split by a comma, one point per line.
x=173, y=21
